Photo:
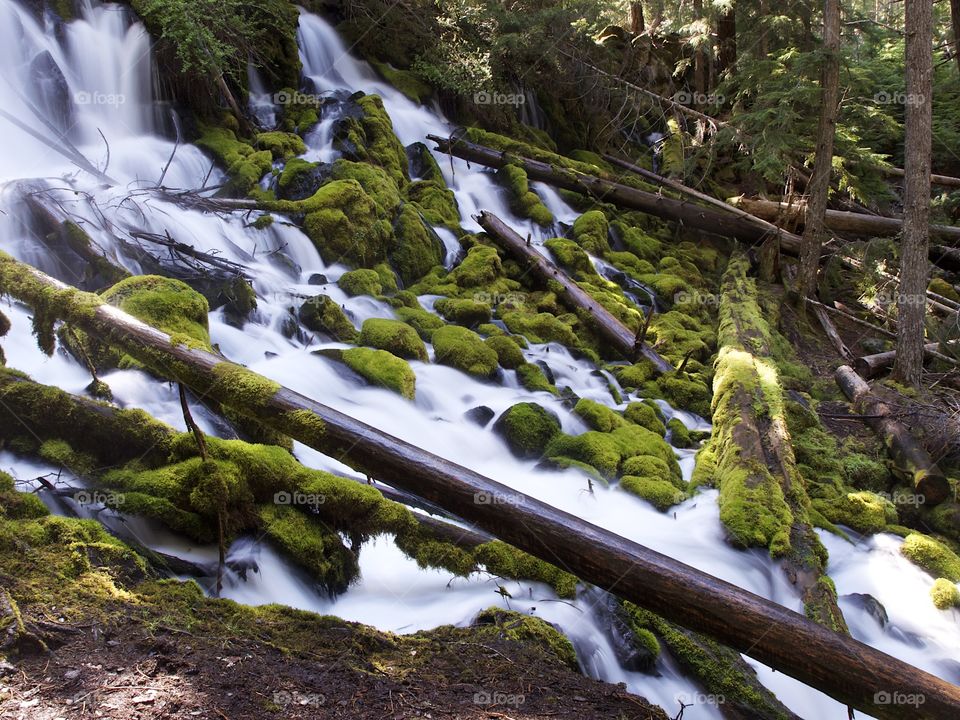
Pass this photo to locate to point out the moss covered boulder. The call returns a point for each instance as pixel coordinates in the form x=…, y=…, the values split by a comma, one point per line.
x=508, y=351
x=532, y=377
x=932, y=555
x=465, y=350
x=463, y=312
x=367, y=135
x=646, y=415
x=945, y=594
x=421, y=320
x=523, y=201
x=361, y=282
x=299, y=179
x=416, y=248
x=590, y=230
x=382, y=368
x=322, y=314
x=662, y=494
x=527, y=429
x=394, y=336
x=244, y=165
x=345, y=224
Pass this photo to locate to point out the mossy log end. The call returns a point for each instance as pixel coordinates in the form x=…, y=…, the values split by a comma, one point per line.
x=910, y=461
x=622, y=338
x=763, y=499
x=844, y=668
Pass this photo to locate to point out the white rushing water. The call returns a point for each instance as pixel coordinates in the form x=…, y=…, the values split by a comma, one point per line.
x=91, y=81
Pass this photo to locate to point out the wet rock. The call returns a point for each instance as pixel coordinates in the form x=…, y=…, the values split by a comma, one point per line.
x=480, y=415
x=871, y=605
x=317, y=279
x=52, y=92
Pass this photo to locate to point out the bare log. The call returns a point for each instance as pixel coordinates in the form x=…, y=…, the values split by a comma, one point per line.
x=844, y=668
x=911, y=461
x=942, y=180
x=869, y=366
x=837, y=220
x=615, y=332
x=831, y=330
x=687, y=213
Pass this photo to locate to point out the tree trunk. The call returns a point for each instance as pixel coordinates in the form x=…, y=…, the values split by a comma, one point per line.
x=914, y=265
x=612, y=330
x=818, y=188
x=955, y=25
x=701, y=73
x=637, y=25
x=840, y=666
x=727, y=40
x=869, y=366
x=911, y=463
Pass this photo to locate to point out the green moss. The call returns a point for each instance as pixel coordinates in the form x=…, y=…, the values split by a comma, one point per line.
x=643, y=246
x=606, y=451
x=421, y=320
x=436, y=202
x=251, y=389
x=463, y=349
x=590, y=230
x=384, y=369
x=932, y=555
x=634, y=376
x=863, y=472
x=598, y=416
x=344, y=223
x=394, y=336
x=686, y=391
x=679, y=434
x=374, y=180
x=571, y=257
x=630, y=263
x=864, y=511
x=541, y=328
x=464, y=312
x=17, y=505
x=243, y=164
x=945, y=594
x=527, y=429
x=167, y=304
x=370, y=138
x=322, y=314
x=526, y=629
x=509, y=354
x=59, y=452
x=942, y=287
x=360, y=282
x=651, y=467
x=662, y=494
x=523, y=201
x=480, y=268
x=388, y=280
x=417, y=249
x=506, y=561
x=313, y=546
x=282, y=145
x=404, y=81
x=299, y=179
x=645, y=415
x=533, y=379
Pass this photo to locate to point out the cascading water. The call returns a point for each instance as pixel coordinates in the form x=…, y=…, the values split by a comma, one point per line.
x=92, y=87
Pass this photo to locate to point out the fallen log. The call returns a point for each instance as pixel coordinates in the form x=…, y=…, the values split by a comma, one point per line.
x=844, y=668
x=911, y=462
x=869, y=366
x=837, y=220
x=613, y=331
x=942, y=180
x=703, y=197
x=831, y=330
x=763, y=500
x=945, y=257
x=687, y=213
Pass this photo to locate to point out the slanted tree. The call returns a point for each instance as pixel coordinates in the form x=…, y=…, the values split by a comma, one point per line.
x=819, y=185
x=914, y=265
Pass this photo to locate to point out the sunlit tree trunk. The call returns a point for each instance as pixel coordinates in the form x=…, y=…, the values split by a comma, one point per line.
x=955, y=22
x=914, y=265
x=819, y=185
x=726, y=38
x=636, y=18
x=700, y=72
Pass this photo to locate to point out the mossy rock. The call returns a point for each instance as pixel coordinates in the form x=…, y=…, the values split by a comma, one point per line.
x=527, y=429
x=423, y=321
x=865, y=473
x=344, y=223
x=417, y=249
x=405, y=81
x=572, y=257
x=645, y=415
x=865, y=512
x=322, y=314
x=17, y=505
x=436, y=202
x=360, y=282
x=394, y=336
x=945, y=289
x=506, y=561
x=300, y=179
x=282, y=145
x=679, y=434
x=244, y=165
x=465, y=350
x=541, y=328
x=591, y=231
x=523, y=201
x=532, y=377
x=686, y=392
x=525, y=629
x=945, y=594
x=374, y=180
x=932, y=555
x=606, y=451
x=643, y=246
x=598, y=416
x=509, y=354
x=388, y=280
x=463, y=312
x=384, y=369
x=479, y=268
x=164, y=303
x=651, y=467
x=662, y=494
x=370, y=138
x=634, y=376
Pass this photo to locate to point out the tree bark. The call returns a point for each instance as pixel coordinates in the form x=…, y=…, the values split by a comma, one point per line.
x=612, y=330
x=837, y=220
x=844, y=668
x=910, y=461
x=701, y=73
x=914, y=265
x=955, y=26
x=727, y=39
x=869, y=366
x=818, y=188
x=637, y=25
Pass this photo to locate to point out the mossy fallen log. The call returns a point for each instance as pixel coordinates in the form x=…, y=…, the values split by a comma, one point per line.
x=911, y=462
x=763, y=501
x=850, y=671
x=622, y=338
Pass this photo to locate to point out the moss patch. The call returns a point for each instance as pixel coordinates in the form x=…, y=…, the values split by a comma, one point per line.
x=395, y=336
x=463, y=349
x=527, y=429
x=384, y=369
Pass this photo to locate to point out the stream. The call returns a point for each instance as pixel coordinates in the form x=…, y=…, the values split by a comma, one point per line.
x=91, y=81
